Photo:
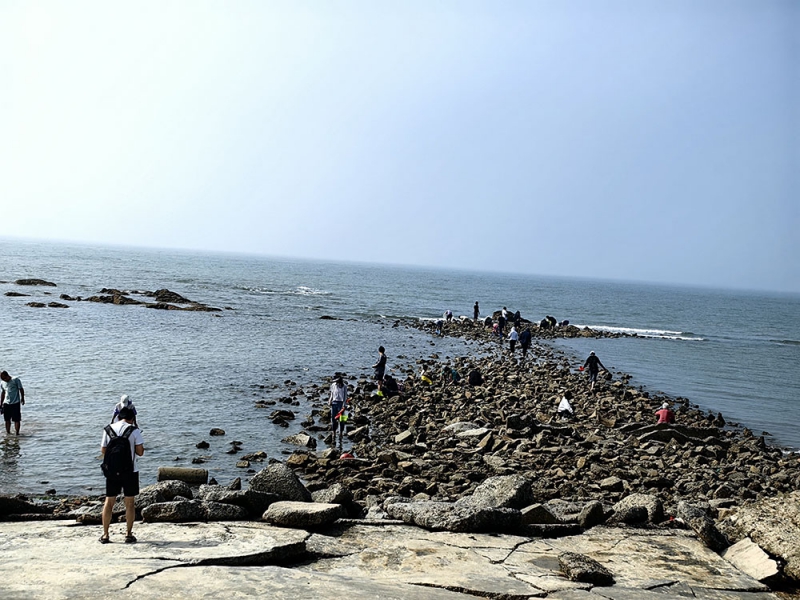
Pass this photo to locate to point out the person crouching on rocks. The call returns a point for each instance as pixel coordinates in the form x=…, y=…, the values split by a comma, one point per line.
x=665, y=414
x=564, y=407
x=337, y=402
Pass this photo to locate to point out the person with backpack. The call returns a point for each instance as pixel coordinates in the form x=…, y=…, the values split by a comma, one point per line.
x=121, y=446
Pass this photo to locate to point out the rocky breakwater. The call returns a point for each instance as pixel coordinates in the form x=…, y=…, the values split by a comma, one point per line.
x=437, y=444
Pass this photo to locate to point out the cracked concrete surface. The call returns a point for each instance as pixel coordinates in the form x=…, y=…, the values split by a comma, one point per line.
x=55, y=560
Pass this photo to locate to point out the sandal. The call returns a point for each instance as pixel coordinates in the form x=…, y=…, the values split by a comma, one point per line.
x=104, y=539
x=130, y=539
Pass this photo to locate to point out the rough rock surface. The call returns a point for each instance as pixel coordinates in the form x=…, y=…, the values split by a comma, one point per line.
x=303, y=515
x=579, y=567
x=280, y=480
x=58, y=561
x=773, y=524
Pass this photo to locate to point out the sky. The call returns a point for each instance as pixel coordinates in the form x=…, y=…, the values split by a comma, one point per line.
x=631, y=140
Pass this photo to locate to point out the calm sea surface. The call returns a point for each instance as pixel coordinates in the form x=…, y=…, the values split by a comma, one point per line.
x=187, y=372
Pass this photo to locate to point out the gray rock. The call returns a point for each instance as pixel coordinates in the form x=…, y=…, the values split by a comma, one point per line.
x=509, y=491
x=538, y=514
x=751, y=559
x=303, y=515
x=217, y=511
x=612, y=484
x=461, y=426
x=592, y=514
x=579, y=567
x=169, y=489
x=16, y=505
x=336, y=494
x=697, y=518
x=565, y=512
x=773, y=524
x=174, y=512
x=280, y=480
x=406, y=437
x=448, y=516
x=301, y=439
x=653, y=506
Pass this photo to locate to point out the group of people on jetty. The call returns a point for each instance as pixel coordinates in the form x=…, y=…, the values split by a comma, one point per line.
x=388, y=386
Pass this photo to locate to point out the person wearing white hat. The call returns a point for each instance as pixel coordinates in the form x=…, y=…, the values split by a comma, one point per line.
x=124, y=402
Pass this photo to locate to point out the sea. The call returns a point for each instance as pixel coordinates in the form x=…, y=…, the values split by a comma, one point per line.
x=732, y=352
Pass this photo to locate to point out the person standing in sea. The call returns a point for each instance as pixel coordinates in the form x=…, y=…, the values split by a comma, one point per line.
x=12, y=397
x=594, y=365
x=380, y=366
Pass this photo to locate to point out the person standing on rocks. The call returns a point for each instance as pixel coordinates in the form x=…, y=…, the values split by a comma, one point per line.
x=12, y=397
x=380, y=366
x=501, y=324
x=337, y=402
x=476, y=310
x=594, y=365
x=127, y=482
x=525, y=341
x=665, y=414
x=513, y=337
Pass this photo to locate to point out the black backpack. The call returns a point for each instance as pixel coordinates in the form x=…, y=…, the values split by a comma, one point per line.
x=117, y=460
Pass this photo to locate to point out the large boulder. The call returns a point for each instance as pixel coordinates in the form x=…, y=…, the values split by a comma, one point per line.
x=303, y=515
x=773, y=524
x=17, y=505
x=751, y=559
x=635, y=502
x=336, y=494
x=175, y=512
x=449, y=516
x=508, y=491
x=218, y=511
x=579, y=567
x=280, y=480
x=254, y=502
x=699, y=521
x=169, y=489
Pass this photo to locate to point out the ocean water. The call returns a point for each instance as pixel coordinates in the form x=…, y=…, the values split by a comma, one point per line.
x=188, y=372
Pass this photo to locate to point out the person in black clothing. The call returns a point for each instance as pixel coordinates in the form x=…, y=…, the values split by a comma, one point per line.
x=476, y=310
x=517, y=319
x=501, y=325
x=525, y=341
x=380, y=366
x=594, y=365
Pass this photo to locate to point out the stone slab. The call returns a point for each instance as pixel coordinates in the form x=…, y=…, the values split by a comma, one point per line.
x=68, y=561
x=639, y=556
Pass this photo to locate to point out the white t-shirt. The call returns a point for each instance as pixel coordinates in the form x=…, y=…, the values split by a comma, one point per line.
x=135, y=439
x=564, y=406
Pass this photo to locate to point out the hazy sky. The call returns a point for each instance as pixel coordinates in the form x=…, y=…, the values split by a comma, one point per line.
x=640, y=140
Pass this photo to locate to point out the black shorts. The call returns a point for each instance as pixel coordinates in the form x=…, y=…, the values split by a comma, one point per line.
x=12, y=412
x=130, y=485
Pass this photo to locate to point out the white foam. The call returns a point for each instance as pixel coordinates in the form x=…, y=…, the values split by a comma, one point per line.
x=665, y=334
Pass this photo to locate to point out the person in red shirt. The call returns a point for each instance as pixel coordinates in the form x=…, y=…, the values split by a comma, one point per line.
x=665, y=414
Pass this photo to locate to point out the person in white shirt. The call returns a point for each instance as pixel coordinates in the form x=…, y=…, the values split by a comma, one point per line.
x=124, y=402
x=130, y=484
x=513, y=336
x=337, y=401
